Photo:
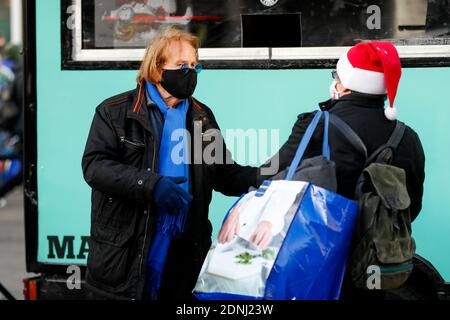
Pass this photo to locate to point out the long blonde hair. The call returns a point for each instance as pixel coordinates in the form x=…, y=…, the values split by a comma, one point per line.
x=156, y=53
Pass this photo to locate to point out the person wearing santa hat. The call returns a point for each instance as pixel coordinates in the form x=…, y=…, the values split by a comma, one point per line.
x=366, y=77
x=372, y=68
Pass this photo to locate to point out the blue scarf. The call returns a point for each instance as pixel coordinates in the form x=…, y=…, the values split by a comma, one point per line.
x=168, y=224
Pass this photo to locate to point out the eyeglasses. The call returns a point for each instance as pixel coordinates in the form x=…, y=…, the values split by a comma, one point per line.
x=334, y=75
x=197, y=68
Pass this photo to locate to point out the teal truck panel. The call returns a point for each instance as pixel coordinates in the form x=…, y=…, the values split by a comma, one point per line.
x=245, y=99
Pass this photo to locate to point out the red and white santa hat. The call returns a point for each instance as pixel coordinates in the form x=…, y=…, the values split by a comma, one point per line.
x=373, y=68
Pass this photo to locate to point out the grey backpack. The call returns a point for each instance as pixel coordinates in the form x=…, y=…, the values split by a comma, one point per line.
x=382, y=247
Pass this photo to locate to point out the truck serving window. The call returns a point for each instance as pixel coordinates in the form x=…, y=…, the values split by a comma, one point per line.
x=104, y=34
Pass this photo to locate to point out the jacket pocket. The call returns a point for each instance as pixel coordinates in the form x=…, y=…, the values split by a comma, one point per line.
x=132, y=144
x=116, y=213
x=109, y=260
x=132, y=150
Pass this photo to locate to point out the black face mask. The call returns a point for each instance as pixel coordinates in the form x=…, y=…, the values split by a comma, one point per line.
x=179, y=84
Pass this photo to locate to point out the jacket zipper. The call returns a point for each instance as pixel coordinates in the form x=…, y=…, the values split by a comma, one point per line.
x=148, y=212
x=136, y=144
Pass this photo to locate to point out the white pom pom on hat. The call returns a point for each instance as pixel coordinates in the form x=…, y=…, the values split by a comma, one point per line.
x=373, y=68
x=391, y=113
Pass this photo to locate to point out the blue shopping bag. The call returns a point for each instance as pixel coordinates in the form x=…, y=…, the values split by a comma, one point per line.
x=311, y=262
x=310, y=259
x=316, y=247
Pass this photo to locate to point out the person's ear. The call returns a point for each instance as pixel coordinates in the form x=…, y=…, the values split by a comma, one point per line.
x=340, y=87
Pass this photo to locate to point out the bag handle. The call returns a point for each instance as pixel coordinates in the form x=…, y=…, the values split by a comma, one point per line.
x=305, y=142
x=325, y=144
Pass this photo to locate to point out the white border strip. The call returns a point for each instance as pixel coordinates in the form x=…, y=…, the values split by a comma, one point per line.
x=426, y=51
x=80, y=54
x=138, y=54
x=206, y=54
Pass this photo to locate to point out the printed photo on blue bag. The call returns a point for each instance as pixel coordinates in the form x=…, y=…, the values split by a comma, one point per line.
x=241, y=267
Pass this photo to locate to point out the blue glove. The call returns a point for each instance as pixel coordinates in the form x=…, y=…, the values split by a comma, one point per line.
x=169, y=196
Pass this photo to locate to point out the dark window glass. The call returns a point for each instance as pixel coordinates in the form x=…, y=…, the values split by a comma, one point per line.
x=268, y=30
x=267, y=23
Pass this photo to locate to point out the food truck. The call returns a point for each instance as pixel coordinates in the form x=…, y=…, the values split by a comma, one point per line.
x=264, y=61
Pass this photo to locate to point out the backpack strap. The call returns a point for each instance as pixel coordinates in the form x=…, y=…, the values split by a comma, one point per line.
x=349, y=134
x=384, y=153
x=397, y=135
x=378, y=155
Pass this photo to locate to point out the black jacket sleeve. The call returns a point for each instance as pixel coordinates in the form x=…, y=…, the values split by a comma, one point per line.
x=411, y=157
x=230, y=178
x=102, y=168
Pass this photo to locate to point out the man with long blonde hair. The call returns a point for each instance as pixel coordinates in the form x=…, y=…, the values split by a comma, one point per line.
x=150, y=190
